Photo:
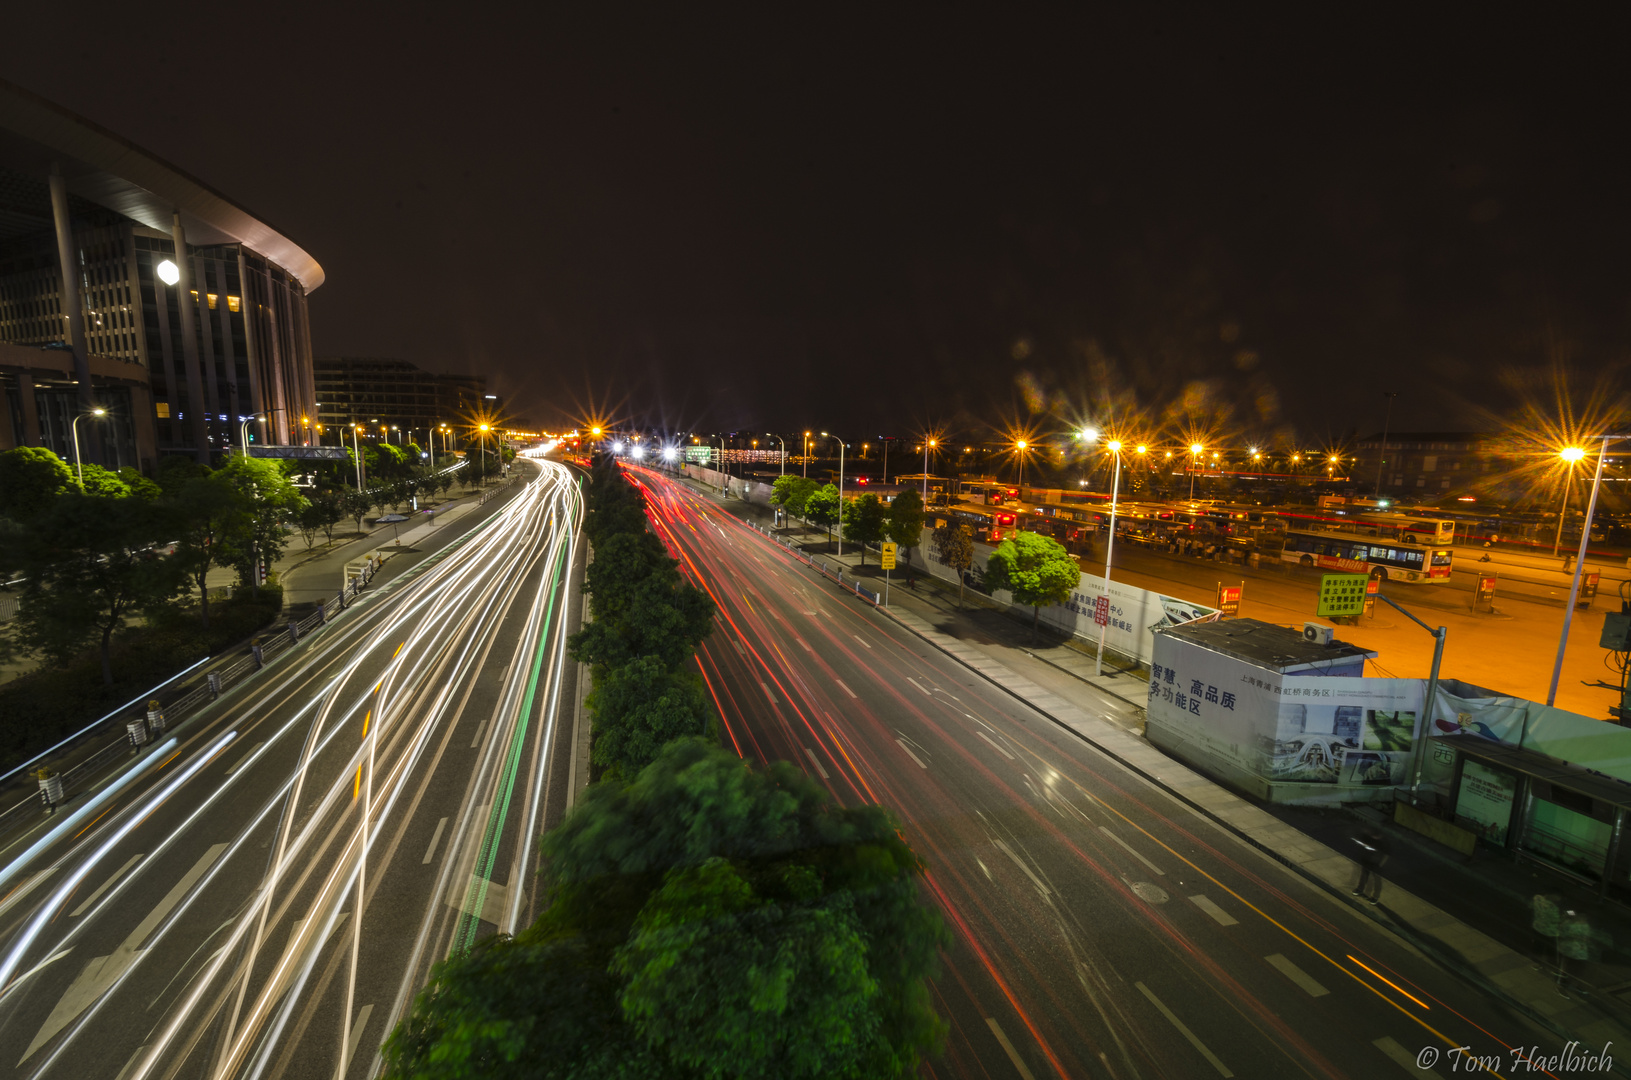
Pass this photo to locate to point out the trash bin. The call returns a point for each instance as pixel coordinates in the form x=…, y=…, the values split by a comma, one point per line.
x=155, y=716
x=136, y=731
x=50, y=786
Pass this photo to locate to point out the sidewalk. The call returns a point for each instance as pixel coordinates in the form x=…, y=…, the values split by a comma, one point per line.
x=1471, y=916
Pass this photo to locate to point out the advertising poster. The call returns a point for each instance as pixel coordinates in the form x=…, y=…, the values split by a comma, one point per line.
x=1339, y=729
x=1484, y=804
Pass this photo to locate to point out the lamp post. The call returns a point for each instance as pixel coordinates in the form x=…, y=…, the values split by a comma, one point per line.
x=1571, y=456
x=356, y=453
x=79, y=466
x=1114, y=446
x=243, y=428
x=824, y=435
x=806, y=455
x=484, y=428
x=778, y=438
x=1020, y=446
x=1579, y=563
x=1382, y=454
x=1195, y=451
x=928, y=444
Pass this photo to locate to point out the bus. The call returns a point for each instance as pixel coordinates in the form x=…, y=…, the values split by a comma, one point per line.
x=1390, y=560
x=1421, y=528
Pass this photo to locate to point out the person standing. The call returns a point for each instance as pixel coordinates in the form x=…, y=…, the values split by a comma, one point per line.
x=1372, y=855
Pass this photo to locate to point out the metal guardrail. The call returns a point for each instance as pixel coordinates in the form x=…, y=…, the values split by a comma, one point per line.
x=260, y=652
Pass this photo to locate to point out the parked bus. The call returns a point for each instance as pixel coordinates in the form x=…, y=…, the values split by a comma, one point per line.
x=1388, y=561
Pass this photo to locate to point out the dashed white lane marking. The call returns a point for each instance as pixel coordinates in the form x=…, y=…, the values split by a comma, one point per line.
x=805, y=645
x=847, y=690
x=911, y=755
x=919, y=686
x=817, y=763
x=435, y=838
x=1223, y=917
x=236, y=765
x=1223, y=1070
x=1026, y=870
x=768, y=694
x=1296, y=974
x=1130, y=850
x=1402, y=1057
x=356, y=1034
x=861, y=639
x=102, y=888
x=739, y=648
x=1008, y=1048
x=995, y=744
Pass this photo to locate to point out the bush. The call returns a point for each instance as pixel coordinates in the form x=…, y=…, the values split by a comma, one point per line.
x=45, y=706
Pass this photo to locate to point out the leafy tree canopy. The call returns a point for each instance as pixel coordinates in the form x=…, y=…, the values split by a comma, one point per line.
x=954, y=546
x=905, y=524
x=792, y=493
x=864, y=520
x=1036, y=569
x=639, y=708
x=30, y=477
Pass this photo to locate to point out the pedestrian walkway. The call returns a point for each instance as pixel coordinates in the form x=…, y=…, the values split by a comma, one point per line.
x=1449, y=916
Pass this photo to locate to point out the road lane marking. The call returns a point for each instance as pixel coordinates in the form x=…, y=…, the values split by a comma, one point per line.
x=1026, y=870
x=435, y=838
x=816, y=763
x=804, y=645
x=25, y=888
x=494, y=900
x=1402, y=1057
x=1154, y=868
x=1008, y=1047
x=911, y=755
x=847, y=690
x=861, y=639
x=994, y=743
x=236, y=765
x=919, y=687
x=1296, y=975
x=356, y=1036
x=97, y=895
x=1223, y=917
x=1223, y=1070
x=739, y=648
x=766, y=687
x=481, y=727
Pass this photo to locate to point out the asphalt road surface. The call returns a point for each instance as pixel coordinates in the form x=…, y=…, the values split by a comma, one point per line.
x=1103, y=928
x=202, y=919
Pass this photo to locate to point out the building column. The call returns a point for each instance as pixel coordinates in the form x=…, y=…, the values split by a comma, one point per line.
x=68, y=276
x=198, y=407
x=30, y=435
x=9, y=439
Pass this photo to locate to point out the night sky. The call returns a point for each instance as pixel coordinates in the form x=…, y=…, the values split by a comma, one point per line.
x=834, y=217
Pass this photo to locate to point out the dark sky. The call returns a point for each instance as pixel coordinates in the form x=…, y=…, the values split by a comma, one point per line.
x=827, y=216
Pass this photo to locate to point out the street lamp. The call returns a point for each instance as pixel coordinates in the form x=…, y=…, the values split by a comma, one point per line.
x=806, y=455
x=928, y=444
x=1572, y=456
x=243, y=428
x=1114, y=446
x=98, y=411
x=1579, y=563
x=824, y=435
x=778, y=438
x=1020, y=445
x=485, y=428
x=356, y=452
x=1195, y=451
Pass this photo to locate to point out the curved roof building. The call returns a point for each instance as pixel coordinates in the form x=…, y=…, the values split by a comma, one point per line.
x=178, y=350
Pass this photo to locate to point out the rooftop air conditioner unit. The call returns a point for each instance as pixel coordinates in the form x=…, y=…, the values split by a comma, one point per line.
x=1317, y=634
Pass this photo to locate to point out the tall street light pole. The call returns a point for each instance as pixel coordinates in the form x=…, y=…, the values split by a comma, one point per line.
x=356, y=452
x=928, y=444
x=806, y=455
x=778, y=438
x=1114, y=446
x=1579, y=564
x=1021, y=445
x=1571, y=456
x=243, y=428
x=824, y=435
x=1195, y=451
x=79, y=466
x=1382, y=454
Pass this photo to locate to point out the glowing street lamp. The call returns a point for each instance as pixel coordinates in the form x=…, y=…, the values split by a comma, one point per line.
x=1021, y=446
x=1572, y=456
x=824, y=435
x=778, y=438
x=1195, y=451
x=806, y=455
x=79, y=466
x=1580, y=556
x=928, y=444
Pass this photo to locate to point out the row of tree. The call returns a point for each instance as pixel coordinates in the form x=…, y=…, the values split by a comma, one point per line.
x=702, y=918
x=864, y=519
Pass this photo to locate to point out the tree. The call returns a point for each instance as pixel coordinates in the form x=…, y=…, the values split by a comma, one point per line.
x=99, y=481
x=704, y=919
x=821, y=508
x=208, y=515
x=139, y=485
x=905, y=525
x=662, y=616
x=639, y=708
x=90, y=566
x=357, y=504
x=270, y=501
x=954, y=545
x=792, y=493
x=30, y=478
x=864, y=518
x=1035, y=568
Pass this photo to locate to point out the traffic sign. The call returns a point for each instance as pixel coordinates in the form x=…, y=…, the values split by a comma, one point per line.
x=888, y=556
x=1229, y=598
x=1101, y=609
x=1341, y=595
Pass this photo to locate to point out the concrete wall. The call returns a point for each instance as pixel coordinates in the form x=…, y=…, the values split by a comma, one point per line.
x=751, y=491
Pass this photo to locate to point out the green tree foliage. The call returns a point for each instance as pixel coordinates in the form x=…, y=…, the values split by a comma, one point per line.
x=101, y=482
x=905, y=524
x=658, y=614
x=612, y=505
x=90, y=566
x=954, y=545
x=864, y=520
x=393, y=460
x=1036, y=569
x=139, y=485
x=30, y=478
x=821, y=508
x=357, y=504
x=705, y=920
x=207, y=515
x=639, y=708
x=269, y=503
x=792, y=493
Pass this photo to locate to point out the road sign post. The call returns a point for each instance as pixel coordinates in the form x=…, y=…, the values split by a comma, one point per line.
x=886, y=556
x=1101, y=609
x=1485, y=593
x=1342, y=595
x=1229, y=598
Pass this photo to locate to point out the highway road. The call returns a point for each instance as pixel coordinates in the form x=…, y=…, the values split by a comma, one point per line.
x=203, y=919
x=1103, y=927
